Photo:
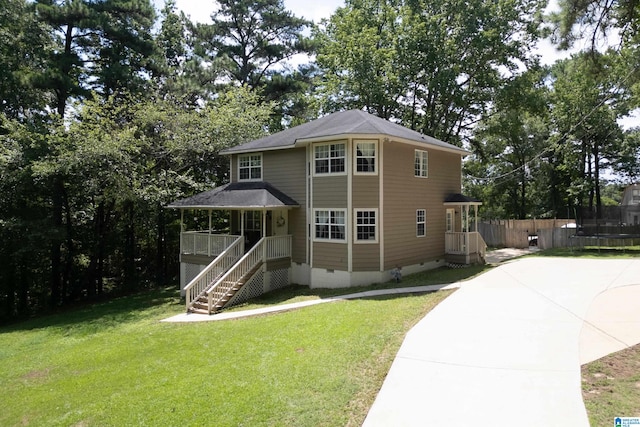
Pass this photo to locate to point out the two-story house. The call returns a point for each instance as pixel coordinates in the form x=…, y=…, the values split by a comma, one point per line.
x=344, y=200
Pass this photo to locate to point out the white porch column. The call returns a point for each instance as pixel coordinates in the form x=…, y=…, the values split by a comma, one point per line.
x=476, y=217
x=264, y=223
x=209, y=239
x=466, y=226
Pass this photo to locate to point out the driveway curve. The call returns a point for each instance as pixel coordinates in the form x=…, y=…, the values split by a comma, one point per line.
x=506, y=348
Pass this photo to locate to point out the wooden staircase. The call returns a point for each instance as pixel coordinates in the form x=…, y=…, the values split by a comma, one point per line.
x=215, y=287
x=221, y=294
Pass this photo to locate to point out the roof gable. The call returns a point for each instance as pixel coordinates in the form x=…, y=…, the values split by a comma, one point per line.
x=343, y=123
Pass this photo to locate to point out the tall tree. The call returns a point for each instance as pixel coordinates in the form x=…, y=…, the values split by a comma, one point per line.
x=436, y=66
x=178, y=72
x=23, y=52
x=101, y=45
x=596, y=18
x=251, y=37
x=510, y=147
x=627, y=163
x=585, y=115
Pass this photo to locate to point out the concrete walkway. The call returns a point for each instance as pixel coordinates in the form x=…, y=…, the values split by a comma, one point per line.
x=228, y=315
x=496, y=256
x=506, y=349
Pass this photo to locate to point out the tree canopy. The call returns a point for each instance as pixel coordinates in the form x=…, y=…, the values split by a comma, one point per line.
x=110, y=109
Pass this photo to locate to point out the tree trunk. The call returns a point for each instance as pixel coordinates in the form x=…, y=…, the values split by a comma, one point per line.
x=161, y=245
x=596, y=178
x=56, y=243
x=129, y=247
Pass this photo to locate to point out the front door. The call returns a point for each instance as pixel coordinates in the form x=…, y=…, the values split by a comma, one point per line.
x=252, y=228
x=451, y=218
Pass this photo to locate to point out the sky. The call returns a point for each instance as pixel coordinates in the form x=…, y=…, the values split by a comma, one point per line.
x=200, y=11
x=315, y=10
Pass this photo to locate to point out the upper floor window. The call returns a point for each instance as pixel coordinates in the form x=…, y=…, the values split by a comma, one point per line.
x=422, y=164
x=330, y=224
x=366, y=225
x=250, y=167
x=635, y=196
x=329, y=158
x=365, y=157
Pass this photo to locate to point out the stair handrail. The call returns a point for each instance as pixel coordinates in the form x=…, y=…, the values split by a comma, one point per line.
x=199, y=285
x=237, y=271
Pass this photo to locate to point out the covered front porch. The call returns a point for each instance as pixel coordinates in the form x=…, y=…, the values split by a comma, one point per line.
x=249, y=257
x=463, y=243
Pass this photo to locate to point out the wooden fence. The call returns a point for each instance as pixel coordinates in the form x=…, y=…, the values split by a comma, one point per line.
x=500, y=236
x=549, y=234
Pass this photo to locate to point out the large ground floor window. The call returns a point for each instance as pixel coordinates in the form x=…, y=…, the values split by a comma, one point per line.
x=330, y=224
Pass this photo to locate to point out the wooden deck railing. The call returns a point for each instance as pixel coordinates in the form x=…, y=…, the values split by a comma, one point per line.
x=231, y=265
x=465, y=243
x=207, y=277
x=278, y=247
x=266, y=249
x=248, y=262
x=204, y=243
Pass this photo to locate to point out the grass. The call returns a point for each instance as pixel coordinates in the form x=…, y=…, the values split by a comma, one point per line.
x=611, y=387
x=115, y=364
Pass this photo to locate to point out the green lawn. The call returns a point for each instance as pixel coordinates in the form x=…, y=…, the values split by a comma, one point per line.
x=116, y=364
x=611, y=387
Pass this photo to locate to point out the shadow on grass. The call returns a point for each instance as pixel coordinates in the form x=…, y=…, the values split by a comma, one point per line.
x=94, y=318
x=91, y=318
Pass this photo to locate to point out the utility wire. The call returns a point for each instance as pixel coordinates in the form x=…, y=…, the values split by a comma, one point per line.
x=554, y=145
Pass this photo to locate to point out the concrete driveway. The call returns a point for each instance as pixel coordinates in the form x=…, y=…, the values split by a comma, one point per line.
x=506, y=348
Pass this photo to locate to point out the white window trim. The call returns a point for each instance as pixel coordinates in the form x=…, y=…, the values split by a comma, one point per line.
x=355, y=226
x=321, y=240
x=421, y=222
x=329, y=173
x=450, y=227
x=261, y=167
x=375, y=157
x=424, y=166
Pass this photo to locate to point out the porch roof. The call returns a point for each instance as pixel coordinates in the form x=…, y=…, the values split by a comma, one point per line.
x=238, y=195
x=460, y=199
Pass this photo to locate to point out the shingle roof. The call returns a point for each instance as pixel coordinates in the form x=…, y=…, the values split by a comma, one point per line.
x=461, y=198
x=337, y=124
x=238, y=195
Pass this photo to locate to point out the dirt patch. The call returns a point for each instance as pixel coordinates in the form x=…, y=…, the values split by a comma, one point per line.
x=611, y=386
x=37, y=375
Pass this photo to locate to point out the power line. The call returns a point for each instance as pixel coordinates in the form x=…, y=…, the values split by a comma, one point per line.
x=555, y=145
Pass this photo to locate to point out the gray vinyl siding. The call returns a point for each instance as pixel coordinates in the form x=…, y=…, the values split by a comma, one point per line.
x=366, y=191
x=404, y=194
x=330, y=192
x=366, y=195
x=332, y=256
x=366, y=257
x=286, y=170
